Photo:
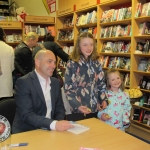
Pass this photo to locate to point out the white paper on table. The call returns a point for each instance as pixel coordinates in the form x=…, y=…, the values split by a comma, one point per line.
x=78, y=128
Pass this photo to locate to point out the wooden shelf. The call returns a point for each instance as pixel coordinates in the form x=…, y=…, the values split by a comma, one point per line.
x=66, y=28
x=12, y=43
x=38, y=23
x=141, y=72
x=135, y=121
x=142, y=55
x=114, y=3
x=116, y=54
x=121, y=70
x=120, y=22
x=66, y=41
x=123, y=38
x=141, y=107
x=142, y=19
x=142, y=37
x=87, y=25
x=145, y=91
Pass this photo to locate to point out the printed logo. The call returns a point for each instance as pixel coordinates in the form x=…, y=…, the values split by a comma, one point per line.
x=4, y=128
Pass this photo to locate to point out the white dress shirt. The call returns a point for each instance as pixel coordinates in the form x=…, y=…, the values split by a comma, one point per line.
x=45, y=85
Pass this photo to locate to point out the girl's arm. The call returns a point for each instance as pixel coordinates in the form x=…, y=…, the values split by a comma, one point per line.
x=101, y=85
x=102, y=115
x=70, y=87
x=127, y=109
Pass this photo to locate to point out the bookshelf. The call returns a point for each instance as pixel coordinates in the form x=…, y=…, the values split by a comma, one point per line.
x=39, y=24
x=4, y=8
x=14, y=32
x=65, y=29
x=135, y=75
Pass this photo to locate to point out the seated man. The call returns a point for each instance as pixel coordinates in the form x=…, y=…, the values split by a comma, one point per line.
x=38, y=98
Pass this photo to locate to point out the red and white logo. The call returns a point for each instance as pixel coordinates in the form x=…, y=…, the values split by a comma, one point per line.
x=5, y=128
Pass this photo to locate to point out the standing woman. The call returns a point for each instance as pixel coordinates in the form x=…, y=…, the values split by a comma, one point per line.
x=6, y=67
x=84, y=80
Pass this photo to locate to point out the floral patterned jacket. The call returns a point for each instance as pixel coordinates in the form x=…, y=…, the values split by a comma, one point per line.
x=84, y=84
x=118, y=109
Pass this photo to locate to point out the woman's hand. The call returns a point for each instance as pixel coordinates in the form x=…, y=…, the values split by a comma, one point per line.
x=85, y=109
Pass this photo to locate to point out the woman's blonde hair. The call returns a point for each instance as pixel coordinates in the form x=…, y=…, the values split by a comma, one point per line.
x=31, y=35
x=108, y=72
x=75, y=55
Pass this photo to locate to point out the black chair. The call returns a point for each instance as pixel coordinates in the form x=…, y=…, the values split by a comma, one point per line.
x=8, y=109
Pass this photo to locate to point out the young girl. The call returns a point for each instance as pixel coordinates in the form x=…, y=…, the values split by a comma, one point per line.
x=84, y=80
x=118, y=112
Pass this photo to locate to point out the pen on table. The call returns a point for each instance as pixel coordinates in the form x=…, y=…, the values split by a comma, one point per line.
x=19, y=144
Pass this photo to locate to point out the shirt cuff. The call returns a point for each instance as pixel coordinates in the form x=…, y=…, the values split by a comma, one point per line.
x=53, y=125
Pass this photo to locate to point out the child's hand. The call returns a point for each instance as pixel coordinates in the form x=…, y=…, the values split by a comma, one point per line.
x=85, y=109
x=105, y=117
x=104, y=104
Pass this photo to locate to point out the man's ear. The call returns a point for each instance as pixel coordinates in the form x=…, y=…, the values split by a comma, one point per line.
x=37, y=62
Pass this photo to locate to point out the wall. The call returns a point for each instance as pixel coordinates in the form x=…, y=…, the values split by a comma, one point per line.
x=34, y=7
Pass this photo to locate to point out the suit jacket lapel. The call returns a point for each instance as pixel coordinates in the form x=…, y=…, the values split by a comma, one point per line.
x=37, y=85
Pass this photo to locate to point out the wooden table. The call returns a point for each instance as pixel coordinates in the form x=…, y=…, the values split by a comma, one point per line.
x=100, y=135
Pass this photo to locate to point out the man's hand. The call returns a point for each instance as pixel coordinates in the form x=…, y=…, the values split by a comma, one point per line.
x=85, y=109
x=63, y=125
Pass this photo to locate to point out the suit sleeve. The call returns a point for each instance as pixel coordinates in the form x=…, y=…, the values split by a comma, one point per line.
x=27, y=108
x=59, y=111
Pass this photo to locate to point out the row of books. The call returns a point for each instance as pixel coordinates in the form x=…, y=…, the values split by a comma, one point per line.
x=92, y=30
x=116, y=14
x=4, y=11
x=116, y=31
x=13, y=38
x=145, y=83
x=89, y=17
x=68, y=22
x=68, y=49
x=142, y=10
x=142, y=116
x=144, y=28
x=40, y=30
x=4, y=3
x=143, y=47
x=8, y=18
x=116, y=47
x=126, y=78
x=65, y=35
x=144, y=65
x=115, y=62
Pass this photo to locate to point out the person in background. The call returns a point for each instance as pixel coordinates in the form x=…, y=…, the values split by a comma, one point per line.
x=38, y=98
x=118, y=112
x=52, y=46
x=23, y=55
x=84, y=84
x=6, y=67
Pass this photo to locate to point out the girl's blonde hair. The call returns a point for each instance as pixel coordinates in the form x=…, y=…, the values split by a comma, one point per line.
x=31, y=35
x=75, y=55
x=108, y=72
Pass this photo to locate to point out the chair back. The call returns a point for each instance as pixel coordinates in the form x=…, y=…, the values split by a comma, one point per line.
x=8, y=109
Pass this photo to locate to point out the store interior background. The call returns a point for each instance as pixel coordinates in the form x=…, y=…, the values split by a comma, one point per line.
x=34, y=7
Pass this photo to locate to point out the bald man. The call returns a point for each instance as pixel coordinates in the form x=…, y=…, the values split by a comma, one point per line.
x=38, y=98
